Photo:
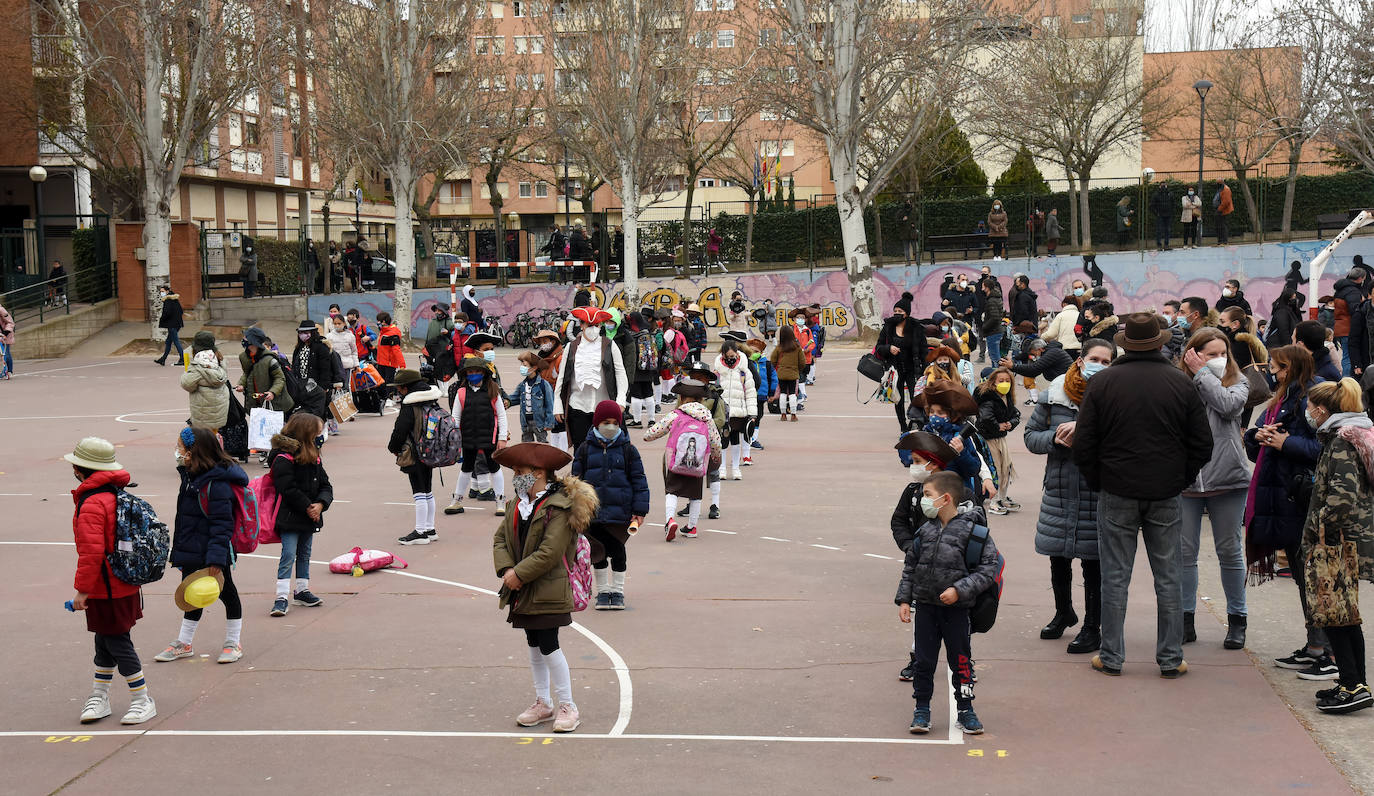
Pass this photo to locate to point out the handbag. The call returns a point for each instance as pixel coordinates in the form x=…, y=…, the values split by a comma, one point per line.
x=263, y=423
x=1332, y=572
x=871, y=367
x=341, y=406
x=1260, y=391
x=234, y=435
x=365, y=377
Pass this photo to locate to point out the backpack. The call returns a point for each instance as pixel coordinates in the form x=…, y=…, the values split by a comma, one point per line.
x=268, y=502
x=297, y=389
x=983, y=613
x=142, y=541
x=1216, y=200
x=438, y=441
x=645, y=355
x=440, y=353
x=246, y=527
x=678, y=348
x=689, y=446
x=580, y=574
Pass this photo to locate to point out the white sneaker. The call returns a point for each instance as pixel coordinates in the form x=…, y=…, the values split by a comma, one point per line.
x=97, y=707
x=230, y=653
x=142, y=709
x=568, y=719
x=739, y=475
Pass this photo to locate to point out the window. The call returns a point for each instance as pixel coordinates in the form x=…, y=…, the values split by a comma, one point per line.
x=526, y=190
x=706, y=182
x=491, y=45
x=705, y=115
x=704, y=77
x=250, y=131
x=724, y=78
x=702, y=39
x=1050, y=24
x=519, y=7
x=1082, y=19
x=725, y=113
x=725, y=39
x=703, y=5
x=767, y=36
x=772, y=149
x=529, y=44
x=560, y=9
x=725, y=5
x=569, y=80
x=527, y=82
x=767, y=115
x=541, y=190
x=768, y=4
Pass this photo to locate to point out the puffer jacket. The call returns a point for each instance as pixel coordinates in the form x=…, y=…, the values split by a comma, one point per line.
x=768, y=378
x=172, y=317
x=1342, y=507
x=1052, y=363
x=1226, y=470
x=738, y=387
x=299, y=485
x=1067, y=526
x=403, y=431
x=560, y=514
x=993, y=310
x=264, y=375
x=209, y=389
x=788, y=364
x=202, y=536
x=1348, y=296
x=345, y=344
x=1061, y=329
x=93, y=526
x=616, y=471
x=937, y=563
x=994, y=409
x=1273, y=520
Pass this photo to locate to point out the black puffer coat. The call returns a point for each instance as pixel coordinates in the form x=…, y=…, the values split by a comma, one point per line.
x=203, y=531
x=993, y=409
x=937, y=563
x=1067, y=526
x=299, y=485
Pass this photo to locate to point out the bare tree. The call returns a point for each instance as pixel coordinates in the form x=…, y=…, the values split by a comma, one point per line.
x=741, y=161
x=1350, y=128
x=839, y=65
x=403, y=81
x=1190, y=25
x=1239, y=131
x=149, y=81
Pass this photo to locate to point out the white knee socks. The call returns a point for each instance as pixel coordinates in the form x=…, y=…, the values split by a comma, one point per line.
x=283, y=588
x=668, y=387
x=539, y=670
x=188, y=631
x=561, y=677
x=715, y=495
x=617, y=583
x=498, y=483
x=695, y=513
x=431, y=509
x=483, y=482
x=791, y=405
x=602, y=580
x=461, y=490
x=669, y=506
x=421, y=510
x=233, y=630
x=736, y=452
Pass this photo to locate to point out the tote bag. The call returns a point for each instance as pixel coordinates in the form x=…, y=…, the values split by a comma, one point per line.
x=263, y=422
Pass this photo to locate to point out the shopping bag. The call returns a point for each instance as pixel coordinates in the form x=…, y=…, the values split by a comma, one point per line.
x=263, y=422
x=341, y=406
x=365, y=377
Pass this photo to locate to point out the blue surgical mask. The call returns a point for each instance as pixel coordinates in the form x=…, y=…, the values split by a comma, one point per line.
x=489, y=355
x=1182, y=322
x=1078, y=291
x=475, y=379
x=524, y=370
x=1092, y=368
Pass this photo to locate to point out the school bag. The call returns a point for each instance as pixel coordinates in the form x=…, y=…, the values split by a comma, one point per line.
x=688, y=448
x=438, y=442
x=983, y=614
x=678, y=348
x=645, y=355
x=580, y=574
x=298, y=390
x=269, y=504
x=246, y=527
x=142, y=541
x=440, y=353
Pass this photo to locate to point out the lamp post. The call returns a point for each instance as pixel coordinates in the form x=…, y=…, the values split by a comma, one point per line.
x=38, y=174
x=1201, y=87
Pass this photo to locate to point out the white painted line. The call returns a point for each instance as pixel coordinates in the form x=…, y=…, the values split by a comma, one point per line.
x=774, y=539
x=713, y=530
x=825, y=547
x=141, y=419
x=62, y=544
x=59, y=417
x=74, y=367
x=16, y=494
x=956, y=738
x=875, y=555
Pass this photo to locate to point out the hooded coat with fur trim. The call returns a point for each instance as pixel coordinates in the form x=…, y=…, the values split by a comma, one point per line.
x=1342, y=510
x=537, y=554
x=208, y=386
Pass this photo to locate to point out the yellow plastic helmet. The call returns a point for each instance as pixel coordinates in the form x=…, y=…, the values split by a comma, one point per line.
x=202, y=592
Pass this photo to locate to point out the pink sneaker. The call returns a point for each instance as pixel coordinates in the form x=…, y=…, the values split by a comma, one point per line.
x=535, y=714
x=568, y=719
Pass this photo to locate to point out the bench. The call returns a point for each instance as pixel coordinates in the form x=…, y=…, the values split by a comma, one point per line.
x=1333, y=221
x=972, y=241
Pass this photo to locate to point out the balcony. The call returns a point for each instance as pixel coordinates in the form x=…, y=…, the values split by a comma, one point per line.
x=53, y=53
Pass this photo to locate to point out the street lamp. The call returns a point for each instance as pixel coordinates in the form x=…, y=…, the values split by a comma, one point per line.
x=38, y=174
x=1201, y=87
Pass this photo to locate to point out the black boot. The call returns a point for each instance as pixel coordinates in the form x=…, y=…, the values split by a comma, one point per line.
x=1189, y=630
x=1061, y=580
x=1089, y=638
x=1235, y=632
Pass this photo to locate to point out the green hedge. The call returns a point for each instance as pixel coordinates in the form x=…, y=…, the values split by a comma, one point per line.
x=279, y=266
x=91, y=264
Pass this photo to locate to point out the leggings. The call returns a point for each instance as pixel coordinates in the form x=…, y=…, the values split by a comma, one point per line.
x=546, y=640
x=229, y=595
x=112, y=650
x=1347, y=647
x=615, y=549
x=999, y=246
x=421, y=480
x=905, y=384
x=1316, y=636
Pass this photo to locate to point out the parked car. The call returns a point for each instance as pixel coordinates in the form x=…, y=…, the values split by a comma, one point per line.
x=444, y=263
x=383, y=273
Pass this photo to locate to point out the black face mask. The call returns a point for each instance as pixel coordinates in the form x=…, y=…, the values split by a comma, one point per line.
x=730, y=361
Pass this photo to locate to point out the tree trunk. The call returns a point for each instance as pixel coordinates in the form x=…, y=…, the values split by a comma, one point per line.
x=749, y=235
x=687, y=224
x=1251, y=209
x=1085, y=213
x=426, y=222
x=1290, y=188
x=857, y=264
x=403, y=181
x=1073, y=209
x=157, y=240
x=878, y=234
x=629, y=197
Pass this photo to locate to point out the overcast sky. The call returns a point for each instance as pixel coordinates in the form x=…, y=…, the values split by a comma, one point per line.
x=1172, y=25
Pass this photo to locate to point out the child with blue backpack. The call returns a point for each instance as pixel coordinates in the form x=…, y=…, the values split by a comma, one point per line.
x=416, y=396
x=534, y=396
x=203, y=535
x=767, y=380
x=947, y=405
x=938, y=589
x=611, y=464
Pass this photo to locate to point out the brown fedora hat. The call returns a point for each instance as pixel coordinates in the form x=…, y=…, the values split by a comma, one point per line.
x=927, y=446
x=757, y=345
x=947, y=394
x=539, y=455
x=1142, y=333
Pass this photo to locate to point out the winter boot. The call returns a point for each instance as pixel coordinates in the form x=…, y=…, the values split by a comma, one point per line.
x=1189, y=630
x=1089, y=638
x=1061, y=580
x=1235, y=632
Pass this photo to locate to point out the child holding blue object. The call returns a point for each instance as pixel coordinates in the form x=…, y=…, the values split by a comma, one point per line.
x=534, y=397
x=767, y=382
x=946, y=405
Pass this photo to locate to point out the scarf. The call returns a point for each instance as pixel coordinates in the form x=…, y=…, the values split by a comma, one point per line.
x=936, y=372
x=1262, y=562
x=1075, y=384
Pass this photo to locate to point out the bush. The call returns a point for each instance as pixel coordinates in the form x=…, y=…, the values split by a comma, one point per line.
x=279, y=266
x=91, y=264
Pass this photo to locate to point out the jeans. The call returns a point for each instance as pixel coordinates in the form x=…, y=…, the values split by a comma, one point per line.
x=995, y=347
x=295, y=548
x=1223, y=231
x=173, y=339
x=1344, y=344
x=9, y=358
x=1163, y=226
x=1225, y=513
x=1120, y=523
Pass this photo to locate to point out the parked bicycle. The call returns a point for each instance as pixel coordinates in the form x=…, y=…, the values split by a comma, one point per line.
x=522, y=330
x=494, y=326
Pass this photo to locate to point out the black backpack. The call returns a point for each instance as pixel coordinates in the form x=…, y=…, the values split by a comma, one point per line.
x=983, y=614
x=297, y=389
x=440, y=353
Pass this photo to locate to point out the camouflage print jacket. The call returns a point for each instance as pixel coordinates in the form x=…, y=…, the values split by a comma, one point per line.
x=1342, y=507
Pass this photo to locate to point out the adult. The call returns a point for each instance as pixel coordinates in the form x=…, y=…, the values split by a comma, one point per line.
x=997, y=230
x=1162, y=208
x=1141, y=438
x=1225, y=206
x=1042, y=359
x=579, y=248
x=592, y=371
x=1293, y=278
x=713, y=242
x=7, y=340
x=911, y=233
x=1052, y=233
x=172, y=319
x=1233, y=296
x=1311, y=335
x=1062, y=325
x=582, y=297
x=994, y=316
x=1023, y=304
x=263, y=383
x=363, y=265
x=311, y=360
x=902, y=345
x=1220, y=488
x=1284, y=448
x=737, y=314
x=1193, y=314
x=471, y=308
x=334, y=278
x=440, y=324
x=555, y=246
x=1067, y=526
x=1340, y=514
x=206, y=381
x=1124, y=217
x=312, y=267
x=1098, y=320
x=1191, y=218
x=961, y=300
x=1284, y=316
x=1349, y=294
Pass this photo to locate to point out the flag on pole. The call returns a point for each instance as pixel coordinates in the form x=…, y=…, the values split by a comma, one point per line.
x=756, y=169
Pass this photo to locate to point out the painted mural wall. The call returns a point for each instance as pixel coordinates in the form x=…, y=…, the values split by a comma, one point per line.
x=1135, y=282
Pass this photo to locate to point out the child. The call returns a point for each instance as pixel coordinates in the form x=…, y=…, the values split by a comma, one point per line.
x=481, y=345
x=390, y=357
x=790, y=362
x=481, y=415
x=416, y=396
x=364, y=337
x=817, y=329
x=299, y=478
x=345, y=346
x=947, y=405
x=808, y=349
x=528, y=550
x=997, y=416
x=937, y=583
x=205, y=380
x=740, y=395
x=608, y=460
x=111, y=605
x=694, y=448
x=646, y=351
x=768, y=391
x=714, y=403
x=204, y=532
x=534, y=396
x=944, y=365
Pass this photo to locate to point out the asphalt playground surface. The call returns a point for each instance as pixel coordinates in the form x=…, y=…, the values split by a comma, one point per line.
x=759, y=658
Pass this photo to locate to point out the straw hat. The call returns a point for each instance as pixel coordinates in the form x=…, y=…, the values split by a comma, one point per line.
x=94, y=453
x=198, y=589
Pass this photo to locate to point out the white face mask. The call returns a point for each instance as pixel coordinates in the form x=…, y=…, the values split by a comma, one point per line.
x=179, y=457
x=929, y=508
x=1228, y=292
x=1217, y=366
x=489, y=355
x=591, y=332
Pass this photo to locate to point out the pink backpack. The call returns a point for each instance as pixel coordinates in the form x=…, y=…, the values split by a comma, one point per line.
x=268, y=503
x=247, y=528
x=357, y=561
x=689, y=446
x=678, y=348
x=580, y=574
